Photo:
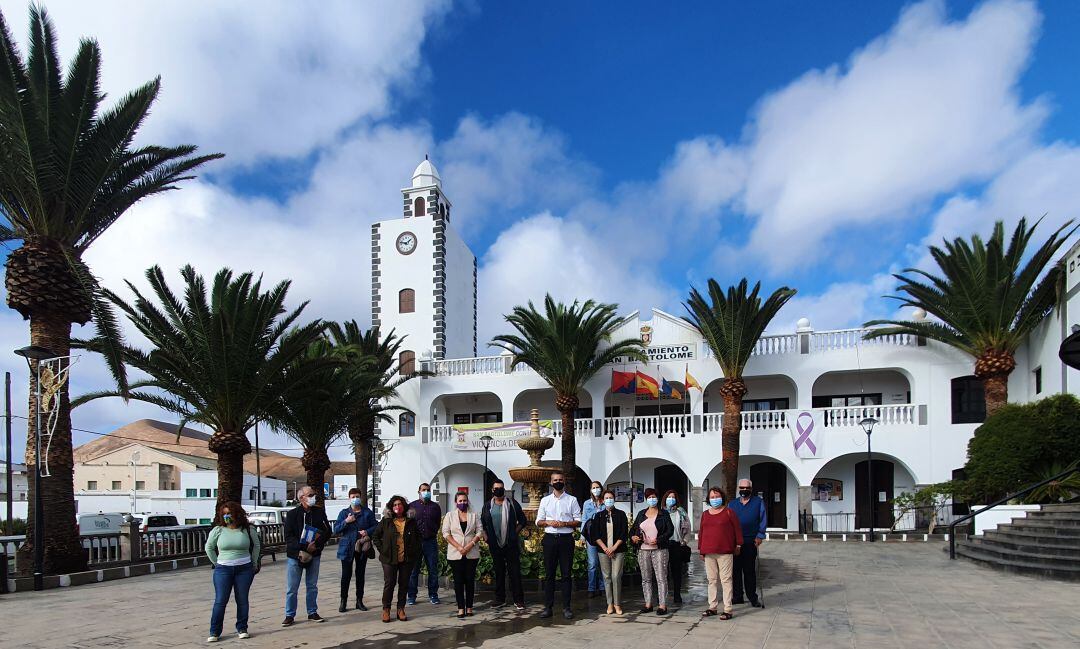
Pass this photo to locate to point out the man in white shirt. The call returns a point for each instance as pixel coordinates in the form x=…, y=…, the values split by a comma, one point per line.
x=559, y=513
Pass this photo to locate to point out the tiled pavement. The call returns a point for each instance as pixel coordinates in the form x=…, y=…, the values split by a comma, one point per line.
x=816, y=594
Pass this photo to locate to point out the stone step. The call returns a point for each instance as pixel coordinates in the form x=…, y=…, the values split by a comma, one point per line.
x=1010, y=535
x=1047, y=527
x=1037, y=556
x=1061, y=518
x=1027, y=547
x=1029, y=567
x=1073, y=508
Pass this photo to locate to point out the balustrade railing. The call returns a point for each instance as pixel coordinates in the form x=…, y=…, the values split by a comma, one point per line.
x=657, y=425
x=581, y=427
x=848, y=338
x=850, y=416
x=783, y=344
x=168, y=544
x=469, y=366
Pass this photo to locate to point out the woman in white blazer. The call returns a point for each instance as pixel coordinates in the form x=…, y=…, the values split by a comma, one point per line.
x=462, y=530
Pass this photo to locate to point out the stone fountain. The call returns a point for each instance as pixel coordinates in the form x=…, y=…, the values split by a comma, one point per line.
x=535, y=477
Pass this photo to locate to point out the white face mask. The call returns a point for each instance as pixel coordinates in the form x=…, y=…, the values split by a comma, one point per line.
x=596, y=492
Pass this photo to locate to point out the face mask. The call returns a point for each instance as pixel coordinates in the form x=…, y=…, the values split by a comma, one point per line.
x=596, y=492
x=425, y=495
x=609, y=502
x=716, y=502
x=558, y=486
x=745, y=493
x=499, y=492
x=308, y=500
x=462, y=507
x=399, y=510
x=227, y=518
x=355, y=502
x=652, y=500
x=670, y=502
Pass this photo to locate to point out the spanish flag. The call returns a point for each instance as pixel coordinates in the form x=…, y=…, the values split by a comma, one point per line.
x=623, y=382
x=647, y=385
x=691, y=382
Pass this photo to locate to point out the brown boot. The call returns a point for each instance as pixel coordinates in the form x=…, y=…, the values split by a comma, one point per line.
x=401, y=615
x=386, y=615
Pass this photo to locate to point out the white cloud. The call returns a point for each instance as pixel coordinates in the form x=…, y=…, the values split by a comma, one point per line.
x=251, y=79
x=841, y=305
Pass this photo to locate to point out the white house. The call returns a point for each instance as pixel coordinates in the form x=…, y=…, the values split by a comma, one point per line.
x=808, y=390
x=19, y=491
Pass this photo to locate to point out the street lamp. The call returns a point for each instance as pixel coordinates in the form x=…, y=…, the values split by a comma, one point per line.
x=485, y=441
x=34, y=356
x=631, y=433
x=867, y=425
x=1069, y=352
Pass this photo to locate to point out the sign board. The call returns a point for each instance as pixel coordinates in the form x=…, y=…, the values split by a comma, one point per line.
x=622, y=492
x=664, y=354
x=826, y=489
x=504, y=437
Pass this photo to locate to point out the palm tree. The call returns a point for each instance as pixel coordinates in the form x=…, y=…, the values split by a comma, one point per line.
x=219, y=362
x=67, y=172
x=731, y=324
x=316, y=411
x=986, y=300
x=374, y=361
x=565, y=346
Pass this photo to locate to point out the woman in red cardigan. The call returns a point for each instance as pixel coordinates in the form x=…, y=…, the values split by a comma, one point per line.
x=718, y=543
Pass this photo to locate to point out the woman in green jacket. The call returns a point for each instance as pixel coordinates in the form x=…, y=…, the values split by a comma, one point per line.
x=234, y=548
x=398, y=541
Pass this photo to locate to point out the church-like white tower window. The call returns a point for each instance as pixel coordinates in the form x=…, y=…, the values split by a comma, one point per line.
x=407, y=425
x=407, y=362
x=418, y=206
x=406, y=300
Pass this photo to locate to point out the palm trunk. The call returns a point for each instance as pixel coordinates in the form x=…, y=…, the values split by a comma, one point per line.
x=230, y=447
x=363, y=460
x=732, y=392
x=316, y=461
x=569, y=449
x=63, y=552
x=996, y=392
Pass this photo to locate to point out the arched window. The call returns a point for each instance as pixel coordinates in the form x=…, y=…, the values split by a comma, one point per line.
x=968, y=401
x=407, y=362
x=406, y=425
x=418, y=206
x=406, y=300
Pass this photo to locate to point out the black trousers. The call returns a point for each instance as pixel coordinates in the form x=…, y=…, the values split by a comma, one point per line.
x=675, y=569
x=357, y=563
x=507, y=560
x=743, y=576
x=558, y=554
x=395, y=574
x=464, y=581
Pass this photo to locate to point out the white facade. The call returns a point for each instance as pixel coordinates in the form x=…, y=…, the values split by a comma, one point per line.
x=919, y=391
x=192, y=504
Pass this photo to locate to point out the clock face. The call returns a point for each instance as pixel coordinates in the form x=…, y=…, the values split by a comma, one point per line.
x=406, y=243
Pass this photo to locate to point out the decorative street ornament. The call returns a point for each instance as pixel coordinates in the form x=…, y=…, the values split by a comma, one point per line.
x=806, y=435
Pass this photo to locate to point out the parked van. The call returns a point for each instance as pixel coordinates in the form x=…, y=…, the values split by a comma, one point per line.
x=103, y=523
x=268, y=515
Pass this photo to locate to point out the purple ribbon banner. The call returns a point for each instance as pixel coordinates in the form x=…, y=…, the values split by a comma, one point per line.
x=802, y=437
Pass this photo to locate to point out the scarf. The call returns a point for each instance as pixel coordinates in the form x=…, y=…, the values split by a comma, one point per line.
x=503, y=520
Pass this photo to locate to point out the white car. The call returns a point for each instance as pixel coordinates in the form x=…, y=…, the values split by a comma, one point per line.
x=268, y=515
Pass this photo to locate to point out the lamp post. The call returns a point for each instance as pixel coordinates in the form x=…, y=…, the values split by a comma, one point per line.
x=35, y=356
x=485, y=441
x=376, y=443
x=631, y=433
x=867, y=425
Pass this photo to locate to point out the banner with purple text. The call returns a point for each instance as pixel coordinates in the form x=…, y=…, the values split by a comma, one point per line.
x=504, y=437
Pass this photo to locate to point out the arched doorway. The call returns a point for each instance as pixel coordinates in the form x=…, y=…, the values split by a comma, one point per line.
x=881, y=474
x=468, y=477
x=658, y=473
x=466, y=408
x=770, y=484
x=841, y=494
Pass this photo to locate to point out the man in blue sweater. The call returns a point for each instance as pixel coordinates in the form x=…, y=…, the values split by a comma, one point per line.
x=751, y=512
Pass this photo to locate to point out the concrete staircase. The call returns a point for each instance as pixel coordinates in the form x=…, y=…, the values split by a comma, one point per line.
x=1045, y=543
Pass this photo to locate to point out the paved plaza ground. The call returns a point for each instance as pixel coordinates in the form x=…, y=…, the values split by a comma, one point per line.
x=816, y=595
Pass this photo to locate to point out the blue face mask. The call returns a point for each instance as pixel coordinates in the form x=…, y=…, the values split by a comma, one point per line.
x=355, y=502
x=609, y=502
x=652, y=501
x=716, y=502
x=425, y=495
x=670, y=502
x=227, y=518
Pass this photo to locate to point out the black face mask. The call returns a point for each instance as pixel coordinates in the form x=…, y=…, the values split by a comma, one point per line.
x=745, y=493
x=558, y=486
x=499, y=492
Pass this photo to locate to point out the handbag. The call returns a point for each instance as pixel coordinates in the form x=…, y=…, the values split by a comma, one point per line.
x=682, y=553
x=586, y=531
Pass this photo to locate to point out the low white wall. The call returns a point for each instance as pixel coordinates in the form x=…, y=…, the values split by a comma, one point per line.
x=1000, y=514
x=18, y=509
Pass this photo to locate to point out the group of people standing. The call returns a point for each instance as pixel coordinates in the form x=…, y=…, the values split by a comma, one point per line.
x=406, y=538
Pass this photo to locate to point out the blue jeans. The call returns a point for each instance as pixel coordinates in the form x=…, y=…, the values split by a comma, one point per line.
x=596, y=579
x=311, y=585
x=429, y=551
x=227, y=581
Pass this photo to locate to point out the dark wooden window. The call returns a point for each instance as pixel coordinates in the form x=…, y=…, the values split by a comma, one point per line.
x=418, y=207
x=765, y=404
x=406, y=425
x=407, y=362
x=463, y=418
x=845, y=400
x=406, y=300
x=968, y=401
x=1038, y=380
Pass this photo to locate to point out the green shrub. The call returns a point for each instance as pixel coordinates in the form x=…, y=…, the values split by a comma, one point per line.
x=17, y=527
x=1015, y=445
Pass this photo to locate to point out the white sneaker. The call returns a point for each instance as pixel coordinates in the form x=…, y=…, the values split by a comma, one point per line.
x=212, y=638
x=243, y=635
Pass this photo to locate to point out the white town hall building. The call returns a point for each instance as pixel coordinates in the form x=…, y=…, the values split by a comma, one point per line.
x=804, y=386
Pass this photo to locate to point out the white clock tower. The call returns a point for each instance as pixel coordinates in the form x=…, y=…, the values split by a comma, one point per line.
x=423, y=276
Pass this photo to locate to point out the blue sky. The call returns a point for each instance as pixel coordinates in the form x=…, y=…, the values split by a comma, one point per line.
x=618, y=151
